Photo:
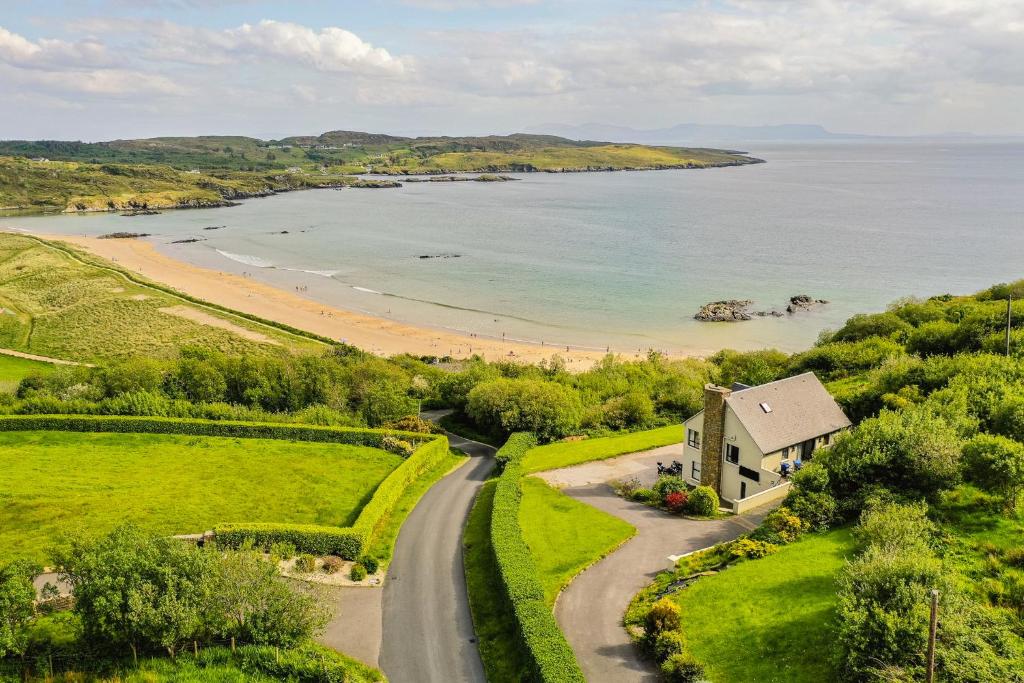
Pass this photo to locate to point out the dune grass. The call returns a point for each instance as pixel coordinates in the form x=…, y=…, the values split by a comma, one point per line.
x=768, y=619
x=567, y=453
x=54, y=483
x=494, y=623
x=56, y=305
x=565, y=536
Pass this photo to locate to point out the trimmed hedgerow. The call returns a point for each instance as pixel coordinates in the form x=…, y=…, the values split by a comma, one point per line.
x=347, y=542
x=551, y=657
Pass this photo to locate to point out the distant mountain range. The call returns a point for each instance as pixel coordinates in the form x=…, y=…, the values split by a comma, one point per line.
x=691, y=133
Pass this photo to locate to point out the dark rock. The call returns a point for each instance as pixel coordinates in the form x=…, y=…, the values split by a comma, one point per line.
x=732, y=310
x=425, y=256
x=190, y=240
x=123, y=235
x=215, y=227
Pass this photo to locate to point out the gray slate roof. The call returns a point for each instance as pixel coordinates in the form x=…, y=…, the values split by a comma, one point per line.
x=801, y=409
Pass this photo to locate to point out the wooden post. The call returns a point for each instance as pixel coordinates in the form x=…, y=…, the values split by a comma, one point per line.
x=195, y=648
x=135, y=655
x=277, y=654
x=930, y=675
x=232, y=644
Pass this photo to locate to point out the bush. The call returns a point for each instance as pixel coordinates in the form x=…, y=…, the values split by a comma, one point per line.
x=751, y=549
x=682, y=668
x=282, y=550
x=357, y=573
x=643, y=495
x=894, y=527
x=414, y=423
x=331, y=564
x=664, y=615
x=703, y=501
x=666, y=644
x=676, y=501
x=667, y=484
x=370, y=563
x=996, y=464
x=305, y=563
x=549, y=410
x=397, y=446
x=309, y=538
x=516, y=447
x=627, y=487
x=786, y=524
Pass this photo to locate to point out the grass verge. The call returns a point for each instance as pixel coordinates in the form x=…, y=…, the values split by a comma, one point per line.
x=493, y=619
x=14, y=369
x=565, y=536
x=567, y=453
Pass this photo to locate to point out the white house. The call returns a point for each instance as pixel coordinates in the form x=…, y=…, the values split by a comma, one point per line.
x=739, y=443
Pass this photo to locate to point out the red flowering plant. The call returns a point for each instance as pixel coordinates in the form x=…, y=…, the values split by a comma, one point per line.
x=676, y=501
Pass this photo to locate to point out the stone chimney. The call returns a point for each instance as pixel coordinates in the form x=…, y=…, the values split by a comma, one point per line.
x=714, y=436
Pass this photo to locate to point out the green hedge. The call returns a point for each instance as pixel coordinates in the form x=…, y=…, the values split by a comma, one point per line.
x=551, y=657
x=347, y=542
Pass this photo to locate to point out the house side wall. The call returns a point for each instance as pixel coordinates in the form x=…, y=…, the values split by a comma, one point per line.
x=736, y=434
x=692, y=456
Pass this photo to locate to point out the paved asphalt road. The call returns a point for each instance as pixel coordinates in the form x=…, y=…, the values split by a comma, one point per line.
x=590, y=610
x=428, y=631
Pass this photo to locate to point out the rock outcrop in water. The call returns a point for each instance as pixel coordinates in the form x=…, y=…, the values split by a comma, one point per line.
x=737, y=310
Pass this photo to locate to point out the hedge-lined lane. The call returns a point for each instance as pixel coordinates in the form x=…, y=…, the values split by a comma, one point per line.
x=551, y=658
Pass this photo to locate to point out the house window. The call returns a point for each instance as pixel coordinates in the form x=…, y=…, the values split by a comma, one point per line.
x=749, y=473
x=693, y=438
x=785, y=453
x=827, y=439
x=732, y=454
x=694, y=471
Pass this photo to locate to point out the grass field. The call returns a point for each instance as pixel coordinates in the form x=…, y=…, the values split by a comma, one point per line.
x=55, y=305
x=768, y=620
x=566, y=453
x=493, y=620
x=56, y=482
x=564, y=535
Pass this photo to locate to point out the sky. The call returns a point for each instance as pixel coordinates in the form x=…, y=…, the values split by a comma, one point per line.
x=106, y=69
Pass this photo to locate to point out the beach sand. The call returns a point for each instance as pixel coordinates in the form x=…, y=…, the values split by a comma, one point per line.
x=376, y=335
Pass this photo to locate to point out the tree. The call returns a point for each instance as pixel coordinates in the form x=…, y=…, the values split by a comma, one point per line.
x=548, y=409
x=132, y=589
x=199, y=380
x=996, y=464
x=253, y=604
x=17, y=606
x=750, y=367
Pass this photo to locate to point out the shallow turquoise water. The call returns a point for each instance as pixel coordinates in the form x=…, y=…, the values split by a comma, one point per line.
x=625, y=259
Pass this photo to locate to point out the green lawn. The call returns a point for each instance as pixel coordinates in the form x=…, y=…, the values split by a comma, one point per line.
x=565, y=536
x=769, y=619
x=493, y=621
x=566, y=453
x=14, y=369
x=56, y=482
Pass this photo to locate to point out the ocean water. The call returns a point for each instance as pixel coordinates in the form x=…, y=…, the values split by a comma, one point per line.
x=623, y=260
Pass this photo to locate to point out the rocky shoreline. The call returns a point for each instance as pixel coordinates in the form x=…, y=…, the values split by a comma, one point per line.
x=738, y=310
x=530, y=168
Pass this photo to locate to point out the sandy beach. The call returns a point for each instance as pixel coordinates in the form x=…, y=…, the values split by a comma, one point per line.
x=376, y=335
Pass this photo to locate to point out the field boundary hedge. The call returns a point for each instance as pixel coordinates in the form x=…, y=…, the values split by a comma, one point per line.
x=551, y=657
x=347, y=542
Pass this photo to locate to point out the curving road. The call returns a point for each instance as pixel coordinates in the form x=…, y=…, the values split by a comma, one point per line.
x=590, y=610
x=427, y=626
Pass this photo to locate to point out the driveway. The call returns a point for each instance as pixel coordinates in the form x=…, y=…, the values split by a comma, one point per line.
x=427, y=627
x=590, y=610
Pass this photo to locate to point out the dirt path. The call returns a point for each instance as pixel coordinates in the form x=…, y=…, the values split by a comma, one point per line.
x=590, y=610
x=42, y=359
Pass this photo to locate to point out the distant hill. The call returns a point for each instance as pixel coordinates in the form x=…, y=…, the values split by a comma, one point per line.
x=695, y=133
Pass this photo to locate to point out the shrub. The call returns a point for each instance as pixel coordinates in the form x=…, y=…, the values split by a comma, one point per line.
x=682, y=668
x=676, y=501
x=666, y=644
x=627, y=487
x=664, y=615
x=357, y=573
x=282, y=550
x=309, y=538
x=331, y=564
x=370, y=563
x=810, y=498
x=751, y=549
x=996, y=464
x=667, y=484
x=787, y=525
x=703, y=501
x=894, y=527
x=414, y=423
x=397, y=446
x=643, y=495
x=516, y=447
x=547, y=409
x=305, y=563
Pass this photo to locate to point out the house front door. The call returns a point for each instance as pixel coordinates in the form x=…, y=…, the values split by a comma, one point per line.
x=807, y=449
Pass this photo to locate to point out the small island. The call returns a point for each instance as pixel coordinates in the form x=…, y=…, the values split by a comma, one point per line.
x=738, y=310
